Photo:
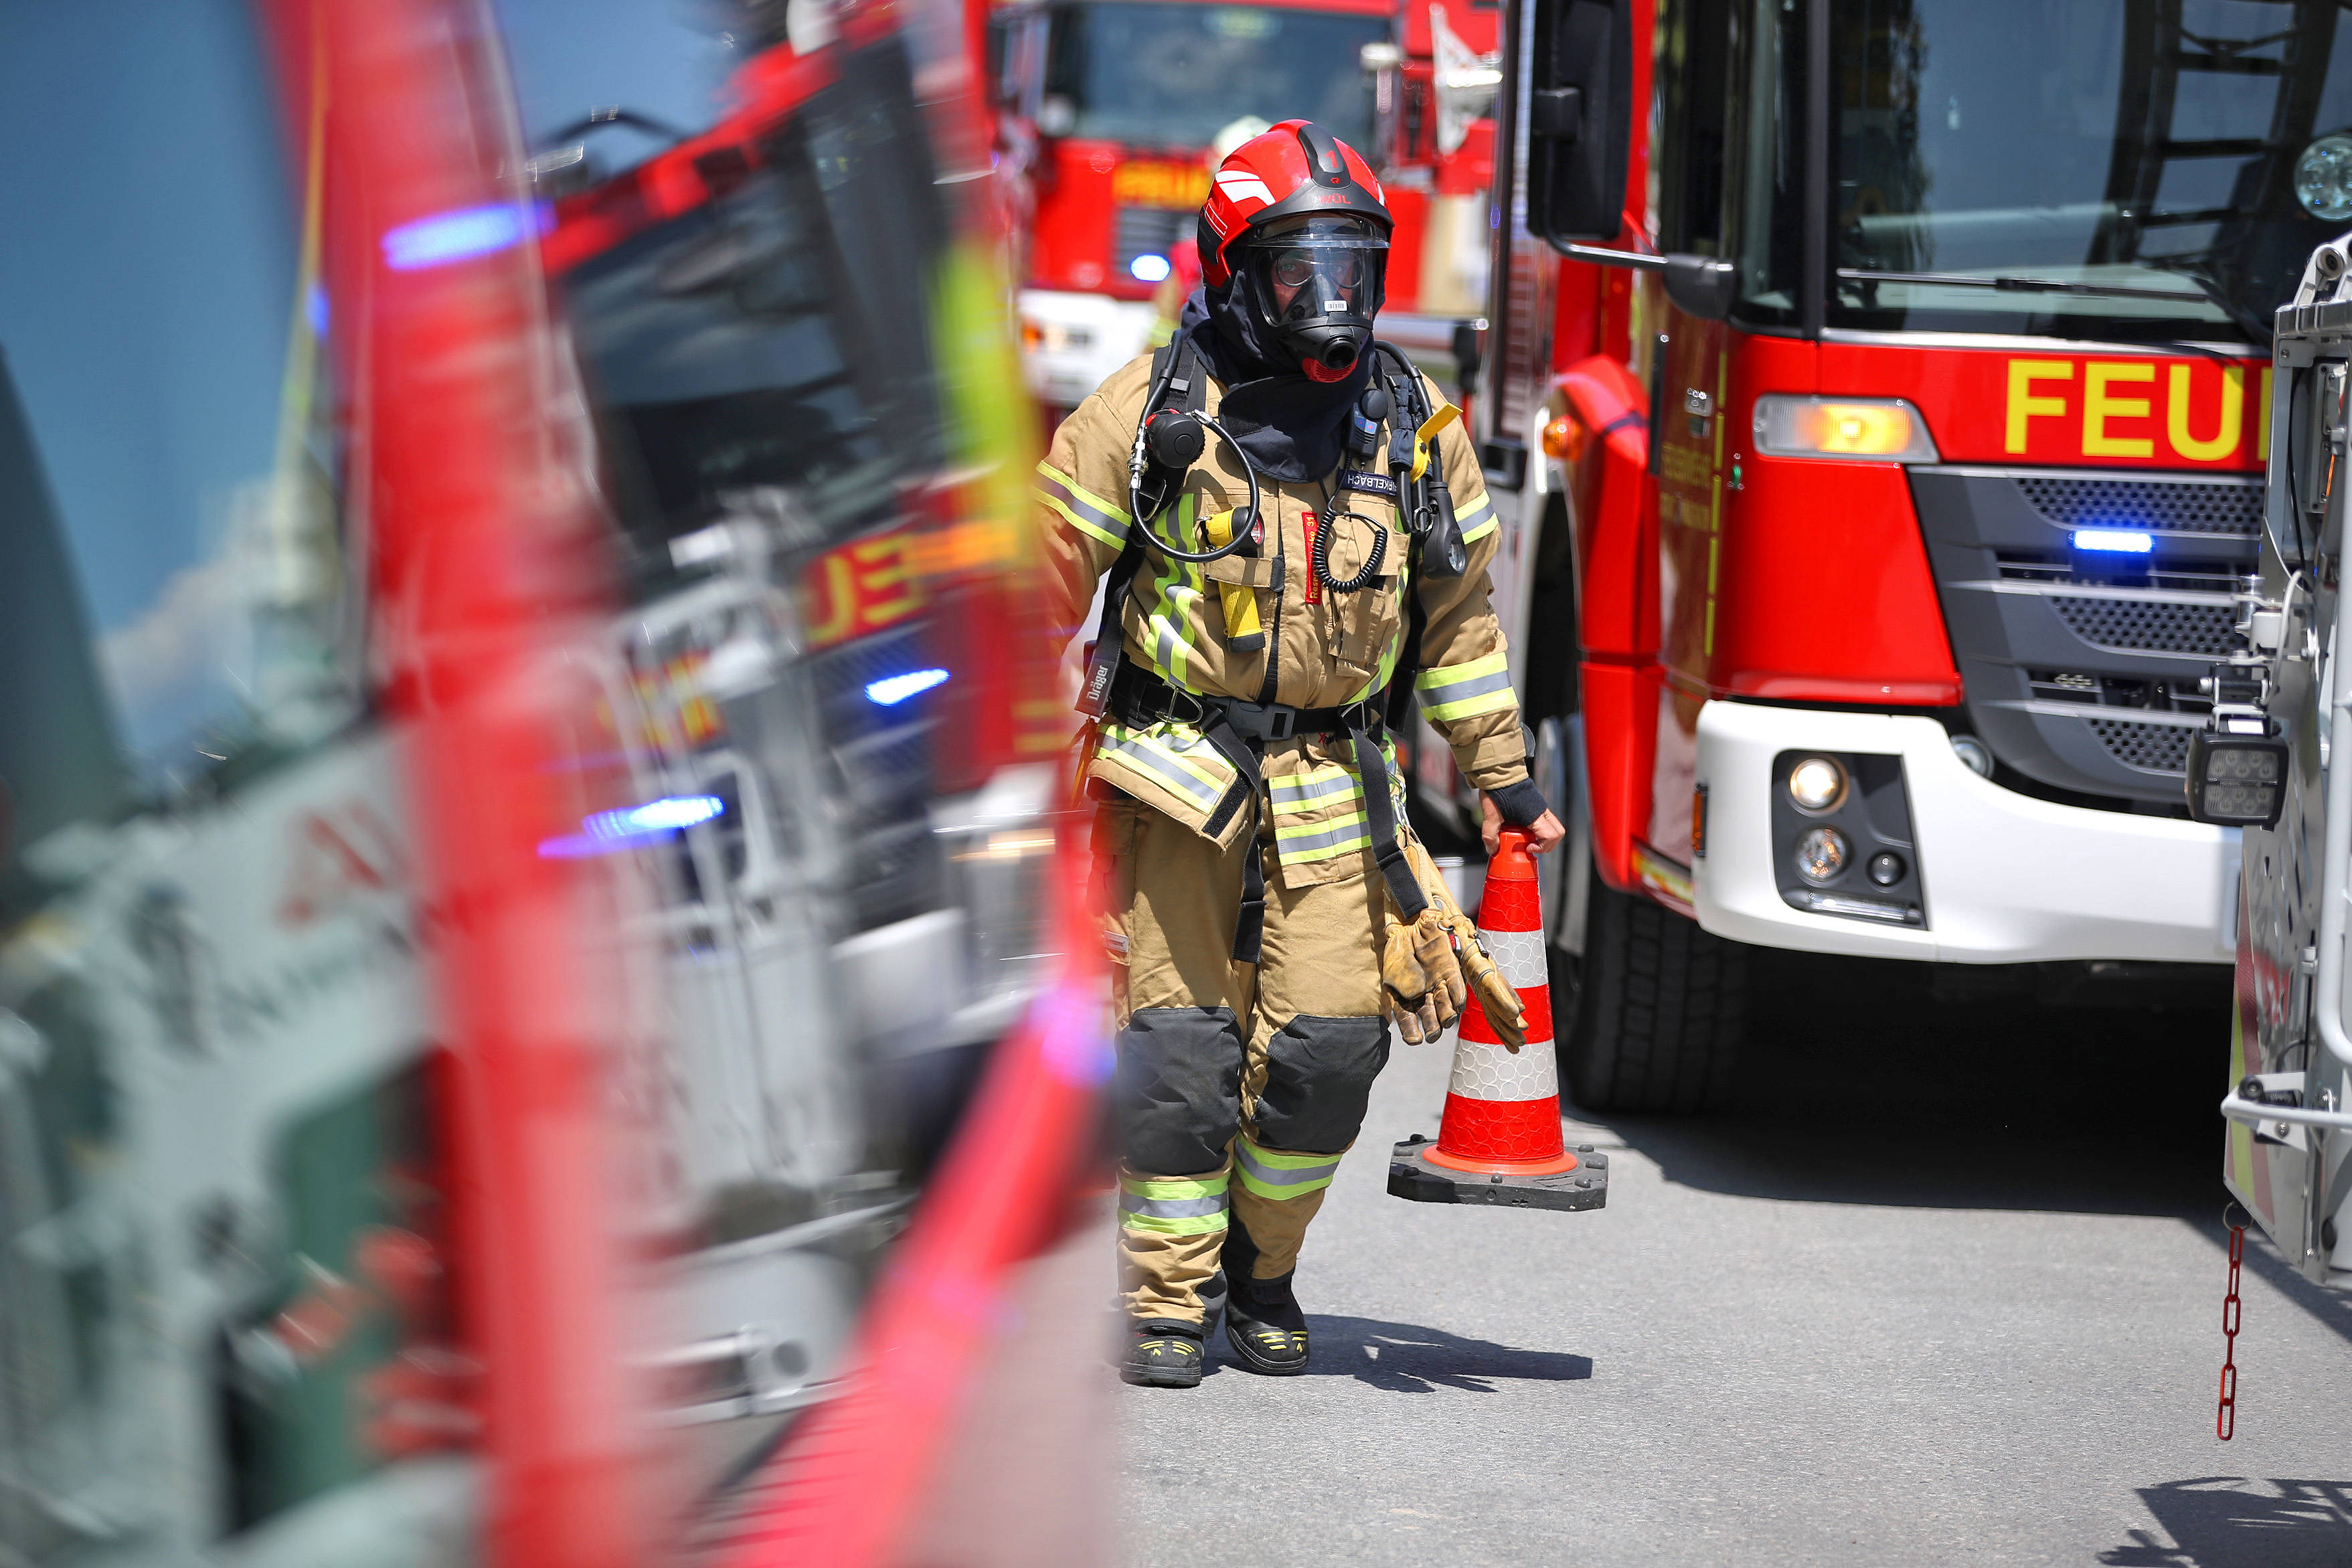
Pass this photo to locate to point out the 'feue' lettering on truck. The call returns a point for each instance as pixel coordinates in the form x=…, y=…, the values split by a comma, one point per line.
x=1876, y=403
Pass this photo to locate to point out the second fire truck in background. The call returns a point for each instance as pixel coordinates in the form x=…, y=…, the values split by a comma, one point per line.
x=1108, y=112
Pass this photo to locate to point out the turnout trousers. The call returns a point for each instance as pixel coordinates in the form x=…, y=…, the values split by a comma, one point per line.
x=1238, y=1085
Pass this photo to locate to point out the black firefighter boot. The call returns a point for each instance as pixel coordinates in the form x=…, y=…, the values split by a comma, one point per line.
x=1262, y=1322
x=1162, y=1352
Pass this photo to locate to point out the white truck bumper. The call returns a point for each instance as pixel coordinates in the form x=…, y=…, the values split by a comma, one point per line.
x=2008, y=879
x=1070, y=343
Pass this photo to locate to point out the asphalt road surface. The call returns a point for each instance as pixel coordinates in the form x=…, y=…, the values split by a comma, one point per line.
x=1944, y=1288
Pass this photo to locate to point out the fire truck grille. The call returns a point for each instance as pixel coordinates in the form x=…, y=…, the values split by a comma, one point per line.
x=1145, y=231
x=2149, y=747
x=2080, y=671
x=2140, y=625
x=2173, y=506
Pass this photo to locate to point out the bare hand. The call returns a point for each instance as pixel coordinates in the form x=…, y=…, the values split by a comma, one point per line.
x=1543, y=833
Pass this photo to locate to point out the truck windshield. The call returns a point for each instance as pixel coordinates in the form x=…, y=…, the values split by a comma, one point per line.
x=1159, y=75
x=2191, y=147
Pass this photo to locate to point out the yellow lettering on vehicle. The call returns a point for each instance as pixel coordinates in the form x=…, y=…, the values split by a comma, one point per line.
x=2099, y=406
x=2263, y=417
x=2023, y=403
x=2224, y=440
x=1157, y=184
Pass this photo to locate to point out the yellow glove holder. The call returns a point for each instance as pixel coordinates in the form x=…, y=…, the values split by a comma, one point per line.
x=1243, y=634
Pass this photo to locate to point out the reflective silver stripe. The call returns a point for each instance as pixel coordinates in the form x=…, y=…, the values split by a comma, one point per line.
x=1282, y=1175
x=1171, y=1207
x=1444, y=697
x=1484, y=1071
x=1473, y=529
x=1085, y=509
x=1339, y=836
x=1286, y=793
x=1147, y=757
x=1519, y=954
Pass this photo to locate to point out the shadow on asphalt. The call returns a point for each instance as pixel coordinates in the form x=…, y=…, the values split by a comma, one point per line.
x=1863, y=1083
x=1406, y=1358
x=2227, y=1522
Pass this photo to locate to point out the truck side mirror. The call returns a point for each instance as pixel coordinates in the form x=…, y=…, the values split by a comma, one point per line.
x=1702, y=286
x=1579, y=119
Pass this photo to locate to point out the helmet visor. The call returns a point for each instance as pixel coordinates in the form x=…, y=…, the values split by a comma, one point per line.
x=1326, y=267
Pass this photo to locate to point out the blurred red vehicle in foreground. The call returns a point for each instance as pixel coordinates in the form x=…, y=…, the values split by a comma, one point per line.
x=539, y=1017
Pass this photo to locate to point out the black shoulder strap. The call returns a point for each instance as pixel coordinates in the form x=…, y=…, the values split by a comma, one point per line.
x=1176, y=371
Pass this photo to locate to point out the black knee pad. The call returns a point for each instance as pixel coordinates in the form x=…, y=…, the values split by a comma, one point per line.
x=1318, y=1079
x=1178, y=1091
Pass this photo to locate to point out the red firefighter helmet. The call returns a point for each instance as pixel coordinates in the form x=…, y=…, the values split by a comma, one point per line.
x=1296, y=230
x=1292, y=170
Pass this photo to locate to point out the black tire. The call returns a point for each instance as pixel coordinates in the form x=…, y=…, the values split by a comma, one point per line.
x=1652, y=1013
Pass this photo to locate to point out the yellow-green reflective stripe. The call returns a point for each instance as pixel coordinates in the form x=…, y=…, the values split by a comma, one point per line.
x=1083, y=499
x=1078, y=521
x=1458, y=691
x=1288, y=792
x=1175, y=1187
x=1191, y=1225
x=1165, y=766
x=1166, y=648
x=1279, y=1177
x=1473, y=528
x=1335, y=833
x=1172, y=1206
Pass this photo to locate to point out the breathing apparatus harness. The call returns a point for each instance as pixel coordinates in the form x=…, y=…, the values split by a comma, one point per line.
x=1169, y=439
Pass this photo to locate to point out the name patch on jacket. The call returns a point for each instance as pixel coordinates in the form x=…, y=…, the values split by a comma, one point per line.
x=1368, y=484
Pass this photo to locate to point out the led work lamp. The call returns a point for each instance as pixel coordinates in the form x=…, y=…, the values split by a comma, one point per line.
x=2236, y=780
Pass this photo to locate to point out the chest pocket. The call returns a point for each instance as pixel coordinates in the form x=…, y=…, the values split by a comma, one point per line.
x=1361, y=628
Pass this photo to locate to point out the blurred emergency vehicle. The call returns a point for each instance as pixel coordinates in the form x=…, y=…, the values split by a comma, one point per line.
x=526, y=878
x=1876, y=411
x=1109, y=110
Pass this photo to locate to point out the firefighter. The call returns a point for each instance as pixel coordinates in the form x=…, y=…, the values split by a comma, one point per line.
x=1257, y=903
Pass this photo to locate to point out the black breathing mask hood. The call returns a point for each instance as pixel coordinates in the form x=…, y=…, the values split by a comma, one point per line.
x=1290, y=425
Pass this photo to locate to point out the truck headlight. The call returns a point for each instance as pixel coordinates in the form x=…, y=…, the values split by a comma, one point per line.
x=1874, y=429
x=1817, y=784
x=2236, y=780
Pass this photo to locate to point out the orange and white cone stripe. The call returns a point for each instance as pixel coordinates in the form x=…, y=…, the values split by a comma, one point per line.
x=1502, y=1108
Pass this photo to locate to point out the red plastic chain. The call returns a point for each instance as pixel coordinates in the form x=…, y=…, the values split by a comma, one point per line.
x=2225, y=1419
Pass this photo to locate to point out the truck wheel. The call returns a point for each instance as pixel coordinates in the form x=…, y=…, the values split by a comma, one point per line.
x=1652, y=1013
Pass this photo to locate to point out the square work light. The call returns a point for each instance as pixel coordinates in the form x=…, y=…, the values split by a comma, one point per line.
x=2236, y=780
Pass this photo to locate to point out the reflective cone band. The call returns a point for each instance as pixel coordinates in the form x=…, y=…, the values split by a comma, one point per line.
x=1501, y=1109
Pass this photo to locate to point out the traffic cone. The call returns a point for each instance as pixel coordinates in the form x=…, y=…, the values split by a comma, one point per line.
x=1500, y=1141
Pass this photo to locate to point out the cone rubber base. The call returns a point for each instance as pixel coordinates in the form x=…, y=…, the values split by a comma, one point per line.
x=1413, y=1174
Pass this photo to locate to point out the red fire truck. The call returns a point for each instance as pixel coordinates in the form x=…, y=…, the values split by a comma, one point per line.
x=1878, y=396
x=1109, y=110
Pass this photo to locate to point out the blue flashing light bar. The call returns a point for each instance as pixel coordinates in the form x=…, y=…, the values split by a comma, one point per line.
x=2114, y=542
x=892, y=690
x=458, y=236
x=1148, y=267
x=631, y=826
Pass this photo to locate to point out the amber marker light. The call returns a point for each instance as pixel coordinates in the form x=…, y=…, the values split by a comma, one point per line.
x=1563, y=439
x=1877, y=430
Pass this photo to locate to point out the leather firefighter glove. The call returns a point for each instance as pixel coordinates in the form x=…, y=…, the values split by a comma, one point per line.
x=1473, y=969
x=1421, y=969
x=1420, y=978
